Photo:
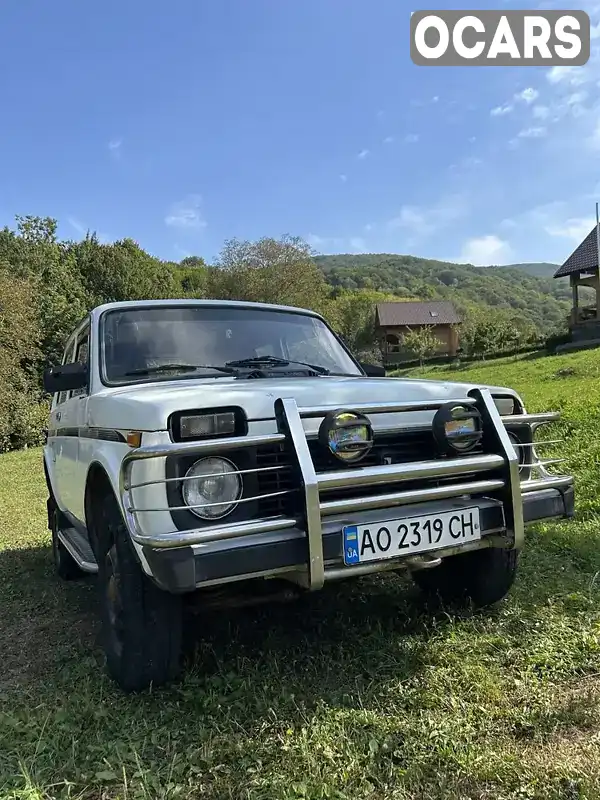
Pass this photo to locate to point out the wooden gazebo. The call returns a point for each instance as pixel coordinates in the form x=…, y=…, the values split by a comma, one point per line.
x=582, y=269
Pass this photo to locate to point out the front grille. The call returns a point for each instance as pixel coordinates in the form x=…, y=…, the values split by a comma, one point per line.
x=397, y=448
x=277, y=480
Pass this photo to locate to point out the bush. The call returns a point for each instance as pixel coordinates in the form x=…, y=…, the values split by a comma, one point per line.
x=23, y=418
x=552, y=342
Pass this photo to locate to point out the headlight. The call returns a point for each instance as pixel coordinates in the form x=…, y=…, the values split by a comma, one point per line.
x=212, y=487
x=457, y=428
x=522, y=452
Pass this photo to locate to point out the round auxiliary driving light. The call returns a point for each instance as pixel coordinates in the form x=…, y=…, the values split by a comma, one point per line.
x=212, y=488
x=346, y=435
x=457, y=428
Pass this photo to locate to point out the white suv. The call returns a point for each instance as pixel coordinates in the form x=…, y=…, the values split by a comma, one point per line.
x=203, y=445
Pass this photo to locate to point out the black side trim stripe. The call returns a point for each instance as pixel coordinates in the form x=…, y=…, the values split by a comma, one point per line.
x=106, y=434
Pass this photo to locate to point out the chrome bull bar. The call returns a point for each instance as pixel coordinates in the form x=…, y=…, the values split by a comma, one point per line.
x=501, y=460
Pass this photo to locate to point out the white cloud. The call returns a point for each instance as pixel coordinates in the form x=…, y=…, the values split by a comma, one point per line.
x=500, y=111
x=467, y=163
x=567, y=75
x=114, y=147
x=533, y=133
x=336, y=244
x=412, y=218
x=358, y=244
x=538, y=217
x=315, y=241
x=435, y=99
x=541, y=112
x=388, y=140
x=411, y=138
x=552, y=219
x=424, y=221
x=77, y=226
x=363, y=153
x=486, y=250
x=82, y=229
x=343, y=178
x=186, y=214
x=576, y=228
x=577, y=97
x=528, y=96
x=594, y=140
x=181, y=251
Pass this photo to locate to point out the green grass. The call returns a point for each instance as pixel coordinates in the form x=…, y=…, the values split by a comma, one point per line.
x=352, y=693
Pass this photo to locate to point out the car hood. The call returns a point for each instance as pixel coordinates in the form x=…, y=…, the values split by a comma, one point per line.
x=147, y=407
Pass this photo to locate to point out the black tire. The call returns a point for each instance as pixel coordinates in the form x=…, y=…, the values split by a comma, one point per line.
x=65, y=565
x=480, y=578
x=141, y=624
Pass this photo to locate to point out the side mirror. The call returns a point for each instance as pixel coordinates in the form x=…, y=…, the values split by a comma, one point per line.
x=65, y=378
x=373, y=370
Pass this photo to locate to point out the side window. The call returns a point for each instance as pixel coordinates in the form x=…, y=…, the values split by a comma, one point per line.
x=81, y=356
x=67, y=358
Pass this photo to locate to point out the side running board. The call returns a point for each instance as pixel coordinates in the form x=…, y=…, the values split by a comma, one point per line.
x=79, y=548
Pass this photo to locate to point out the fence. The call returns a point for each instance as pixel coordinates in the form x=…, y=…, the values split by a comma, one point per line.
x=467, y=359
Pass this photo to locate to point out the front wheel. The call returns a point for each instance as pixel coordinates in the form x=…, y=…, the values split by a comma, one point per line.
x=141, y=624
x=480, y=577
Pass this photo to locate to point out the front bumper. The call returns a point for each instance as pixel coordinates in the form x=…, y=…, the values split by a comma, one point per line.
x=306, y=547
x=184, y=569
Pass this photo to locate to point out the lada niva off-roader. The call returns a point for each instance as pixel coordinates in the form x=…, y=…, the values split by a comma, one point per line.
x=197, y=445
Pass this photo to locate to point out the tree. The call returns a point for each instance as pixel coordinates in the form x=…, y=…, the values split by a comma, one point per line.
x=192, y=275
x=421, y=341
x=121, y=271
x=485, y=332
x=270, y=270
x=21, y=415
x=352, y=315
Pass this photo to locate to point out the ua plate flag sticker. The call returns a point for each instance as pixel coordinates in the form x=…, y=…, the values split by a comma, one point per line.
x=351, y=544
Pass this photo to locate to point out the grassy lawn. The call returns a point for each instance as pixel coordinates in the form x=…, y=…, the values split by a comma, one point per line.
x=352, y=693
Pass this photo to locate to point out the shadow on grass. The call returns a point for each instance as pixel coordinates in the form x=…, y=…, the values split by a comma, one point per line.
x=323, y=644
x=47, y=624
x=43, y=621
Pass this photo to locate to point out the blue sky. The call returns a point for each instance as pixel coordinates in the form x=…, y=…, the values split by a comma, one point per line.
x=185, y=123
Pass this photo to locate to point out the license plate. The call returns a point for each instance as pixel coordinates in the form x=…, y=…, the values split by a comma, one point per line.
x=401, y=537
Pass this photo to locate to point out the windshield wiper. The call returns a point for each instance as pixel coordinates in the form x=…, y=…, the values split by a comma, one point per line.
x=177, y=368
x=274, y=361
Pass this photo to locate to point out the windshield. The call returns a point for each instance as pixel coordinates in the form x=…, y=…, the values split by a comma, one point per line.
x=140, y=339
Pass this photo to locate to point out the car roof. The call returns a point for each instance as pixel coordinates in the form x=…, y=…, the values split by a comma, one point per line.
x=127, y=304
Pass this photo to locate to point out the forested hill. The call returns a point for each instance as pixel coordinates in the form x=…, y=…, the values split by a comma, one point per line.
x=540, y=269
x=543, y=301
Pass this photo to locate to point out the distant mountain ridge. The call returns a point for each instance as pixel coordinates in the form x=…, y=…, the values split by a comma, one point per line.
x=527, y=289
x=541, y=269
